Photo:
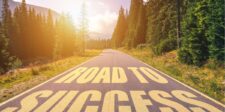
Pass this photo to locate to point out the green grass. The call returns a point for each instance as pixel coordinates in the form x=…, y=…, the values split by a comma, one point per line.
x=208, y=79
x=22, y=79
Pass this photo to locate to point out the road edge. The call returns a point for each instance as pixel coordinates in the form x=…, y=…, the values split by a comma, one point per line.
x=63, y=73
x=193, y=89
x=70, y=70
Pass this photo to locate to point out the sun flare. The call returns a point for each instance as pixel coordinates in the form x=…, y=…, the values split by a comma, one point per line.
x=101, y=15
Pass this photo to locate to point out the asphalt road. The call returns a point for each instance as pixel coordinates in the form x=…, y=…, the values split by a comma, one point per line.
x=112, y=82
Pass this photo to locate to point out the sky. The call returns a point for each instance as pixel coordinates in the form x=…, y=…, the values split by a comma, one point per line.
x=102, y=14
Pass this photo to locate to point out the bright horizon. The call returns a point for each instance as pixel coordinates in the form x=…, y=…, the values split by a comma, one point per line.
x=102, y=15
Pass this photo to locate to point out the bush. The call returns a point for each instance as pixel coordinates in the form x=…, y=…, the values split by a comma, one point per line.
x=166, y=45
x=175, y=71
x=16, y=63
x=213, y=64
x=184, y=56
x=44, y=68
x=142, y=46
x=214, y=86
x=195, y=79
x=12, y=63
x=35, y=71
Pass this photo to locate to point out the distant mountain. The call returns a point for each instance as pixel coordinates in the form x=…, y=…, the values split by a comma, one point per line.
x=40, y=10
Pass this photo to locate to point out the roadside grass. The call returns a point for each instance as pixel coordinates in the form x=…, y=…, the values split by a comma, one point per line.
x=209, y=79
x=20, y=80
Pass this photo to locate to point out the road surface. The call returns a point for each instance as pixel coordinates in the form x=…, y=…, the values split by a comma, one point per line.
x=112, y=82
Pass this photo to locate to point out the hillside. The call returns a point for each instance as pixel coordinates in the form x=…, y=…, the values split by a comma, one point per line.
x=209, y=76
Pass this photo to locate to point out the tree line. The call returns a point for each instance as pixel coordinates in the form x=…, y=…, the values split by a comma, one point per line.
x=26, y=36
x=154, y=24
x=98, y=43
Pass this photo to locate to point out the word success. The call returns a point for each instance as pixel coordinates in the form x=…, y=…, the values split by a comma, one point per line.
x=111, y=101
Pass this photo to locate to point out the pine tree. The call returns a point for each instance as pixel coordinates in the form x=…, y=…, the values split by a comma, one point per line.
x=23, y=9
x=8, y=25
x=21, y=20
x=7, y=19
x=4, y=54
x=132, y=23
x=49, y=34
x=120, y=29
x=194, y=43
x=14, y=45
x=161, y=25
x=215, y=29
x=33, y=35
x=65, y=37
x=83, y=27
x=6, y=60
x=140, y=36
x=203, y=32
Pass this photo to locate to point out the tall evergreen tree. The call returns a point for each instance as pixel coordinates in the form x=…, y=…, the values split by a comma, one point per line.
x=215, y=28
x=49, y=39
x=4, y=56
x=33, y=35
x=6, y=59
x=23, y=8
x=194, y=48
x=204, y=32
x=22, y=40
x=8, y=25
x=161, y=28
x=14, y=45
x=83, y=27
x=50, y=23
x=132, y=23
x=6, y=18
x=65, y=37
x=137, y=24
x=120, y=29
x=140, y=36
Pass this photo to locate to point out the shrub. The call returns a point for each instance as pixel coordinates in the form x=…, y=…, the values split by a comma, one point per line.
x=214, y=86
x=166, y=45
x=175, y=71
x=213, y=64
x=16, y=63
x=184, y=56
x=44, y=68
x=12, y=63
x=142, y=46
x=195, y=79
x=35, y=71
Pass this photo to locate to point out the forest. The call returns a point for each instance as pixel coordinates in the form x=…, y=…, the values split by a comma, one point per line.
x=154, y=24
x=27, y=36
x=35, y=47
